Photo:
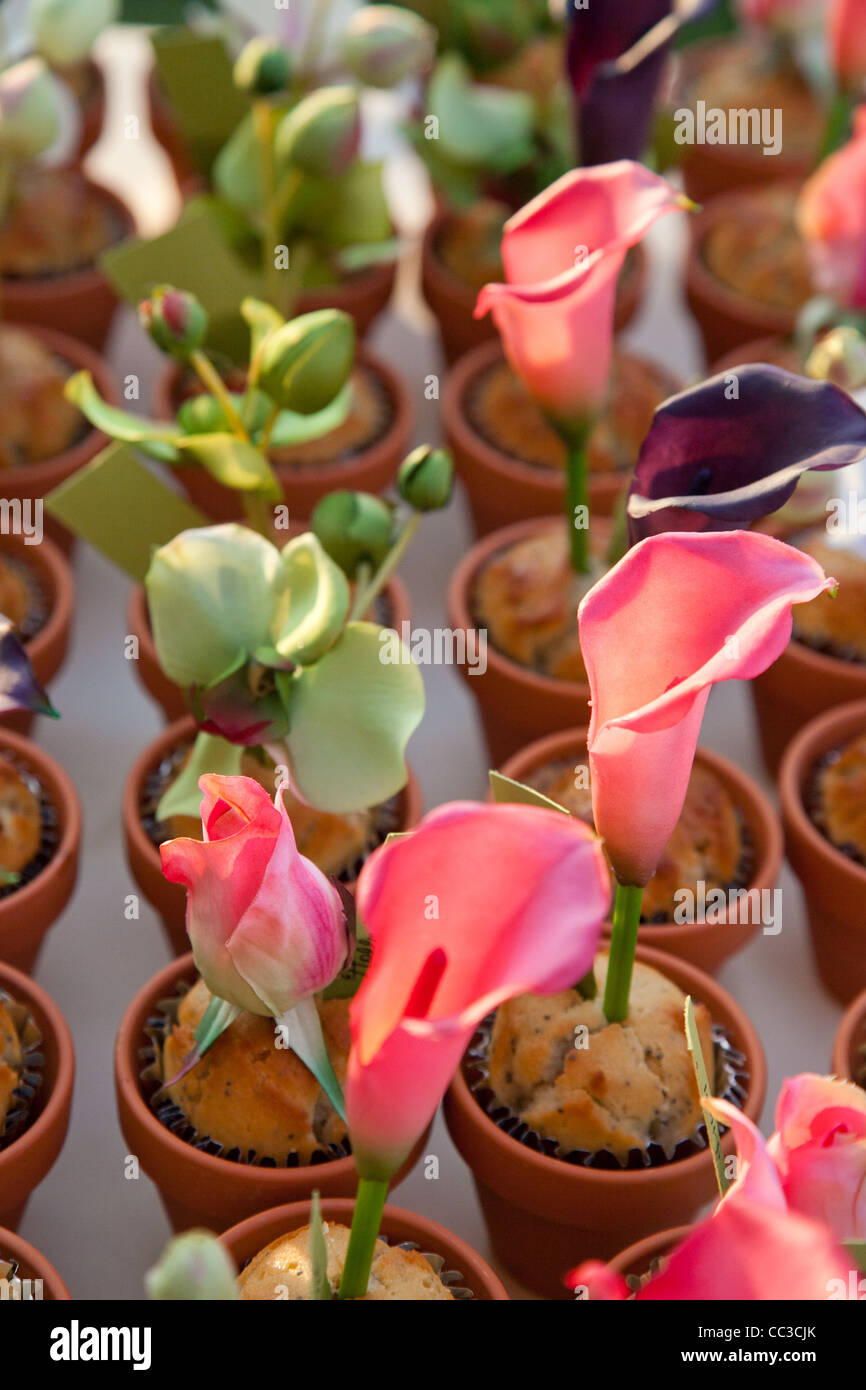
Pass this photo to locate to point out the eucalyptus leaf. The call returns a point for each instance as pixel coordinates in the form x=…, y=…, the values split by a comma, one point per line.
x=236, y=172
x=352, y=715
x=233, y=462
x=209, y=754
x=157, y=439
x=480, y=124
x=314, y=604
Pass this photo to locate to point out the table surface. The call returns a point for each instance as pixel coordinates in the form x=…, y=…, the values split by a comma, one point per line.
x=100, y=1229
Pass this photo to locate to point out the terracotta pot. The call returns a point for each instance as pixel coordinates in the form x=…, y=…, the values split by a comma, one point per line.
x=726, y=318
x=702, y=945
x=26, y=914
x=80, y=303
x=796, y=688
x=371, y=471
x=834, y=884
x=169, y=899
x=168, y=695
x=637, y=1258
x=249, y=1237
x=849, y=1045
x=92, y=110
x=452, y=300
x=47, y=648
x=33, y=1265
x=516, y=705
x=502, y=489
x=29, y=1158
x=196, y=1188
x=546, y=1216
x=36, y=480
x=778, y=351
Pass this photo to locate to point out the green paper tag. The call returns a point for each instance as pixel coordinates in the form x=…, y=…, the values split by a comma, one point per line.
x=506, y=791
x=122, y=509
x=195, y=73
x=693, y=1042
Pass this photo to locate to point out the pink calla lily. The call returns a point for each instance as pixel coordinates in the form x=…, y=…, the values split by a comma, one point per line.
x=562, y=254
x=679, y=612
x=267, y=927
x=831, y=216
x=819, y=1149
x=477, y=905
x=847, y=40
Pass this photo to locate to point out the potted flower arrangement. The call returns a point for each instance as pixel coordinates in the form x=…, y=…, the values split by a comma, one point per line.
x=789, y=1227
x=27, y=1270
x=55, y=222
x=554, y=1167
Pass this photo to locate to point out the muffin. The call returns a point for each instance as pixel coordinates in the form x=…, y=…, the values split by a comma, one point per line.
x=839, y=798
x=20, y=820
x=55, y=223
x=36, y=420
x=502, y=411
x=837, y=625
x=248, y=1094
x=706, y=846
x=759, y=253
x=11, y=1061
x=284, y=1270
x=632, y=1086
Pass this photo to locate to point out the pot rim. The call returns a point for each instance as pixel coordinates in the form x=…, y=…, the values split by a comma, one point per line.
x=292, y=1214
x=53, y=569
x=80, y=281
x=750, y=799
x=699, y=279
x=851, y=1025
x=543, y=1165
x=13, y=1244
x=650, y=1248
x=21, y=986
x=57, y=782
x=817, y=737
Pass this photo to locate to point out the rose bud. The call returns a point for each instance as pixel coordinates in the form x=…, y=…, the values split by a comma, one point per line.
x=385, y=44
x=426, y=478
x=64, y=30
x=193, y=1266
x=175, y=320
x=29, y=109
x=322, y=134
x=263, y=67
x=840, y=357
x=307, y=362
x=354, y=528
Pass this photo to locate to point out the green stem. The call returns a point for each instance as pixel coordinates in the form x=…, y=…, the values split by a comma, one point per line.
x=268, y=430
x=623, y=941
x=366, y=1221
x=263, y=120
x=577, y=496
x=258, y=515
x=365, y=596
x=210, y=377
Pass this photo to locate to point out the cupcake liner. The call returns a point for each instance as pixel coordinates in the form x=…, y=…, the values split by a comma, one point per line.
x=636, y=1282
x=39, y=605
x=156, y=1030
x=50, y=828
x=19, y=1113
x=451, y=1278
x=731, y=1079
x=813, y=806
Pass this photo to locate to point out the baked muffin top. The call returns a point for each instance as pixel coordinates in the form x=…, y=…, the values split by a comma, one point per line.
x=707, y=843
x=36, y=420
x=283, y=1270
x=20, y=820
x=758, y=251
x=11, y=1061
x=840, y=786
x=628, y=1086
x=249, y=1094
x=837, y=624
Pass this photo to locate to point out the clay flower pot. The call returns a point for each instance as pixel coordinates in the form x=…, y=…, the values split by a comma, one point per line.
x=849, y=1045
x=798, y=687
x=544, y=1215
x=250, y=1236
x=703, y=945
x=36, y=480
x=833, y=883
x=197, y=1188
x=637, y=1259
x=32, y=1265
x=363, y=295
x=28, y=912
x=452, y=300
x=370, y=471
x=502, y=488
x=726, y=317
x=27, y=1159
x=47, y=648
x=516, y=704
x=168, y=695
x=778, y=351
x=91, y=108
x=169, y=899
x=80, y=303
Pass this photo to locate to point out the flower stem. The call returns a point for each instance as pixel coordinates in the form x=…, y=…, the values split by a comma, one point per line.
x=366, y=1221
x=366, y=595
x=577, y=497
x=263, y=121
x=626, y=919
x=257, y=514
x=210, y=377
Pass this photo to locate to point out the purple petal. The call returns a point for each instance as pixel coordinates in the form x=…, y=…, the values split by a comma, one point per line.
x=712, y=463
x=19, y=688
x=231, y=710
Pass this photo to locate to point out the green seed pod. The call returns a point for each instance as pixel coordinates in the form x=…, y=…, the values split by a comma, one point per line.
x=354, y=528
x=322, y=134
x=176, y=321
x=308, y=361
x=263, y=67
x=426, y=478
x=385, y=44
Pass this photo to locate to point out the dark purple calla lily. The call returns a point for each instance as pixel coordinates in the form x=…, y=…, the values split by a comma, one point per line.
x=715, y=461
x=19, y=688
x=616, y=57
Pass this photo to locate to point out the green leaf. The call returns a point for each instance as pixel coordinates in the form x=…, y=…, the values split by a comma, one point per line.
x=479, y=124
x=233, y=462
x=351, y=717
x=353, y=258
x=263, y=319
x=209, y=754
x=346, y=211
x=505, y=790
x=156, y=439
x=291, y=428
x=693, y=1042
x=320, y=1288
x=217, y=1017
x=313, y=606
x=302, y=1029
x=195, y=72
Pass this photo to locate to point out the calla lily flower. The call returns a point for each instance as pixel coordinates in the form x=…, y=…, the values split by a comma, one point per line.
x=266, y=926
x=831, y=216
x=477, y=905
x=847, y=38
x=819, y=1149
x=562, y=254
x=679, y=612
x=716, y=461
x=19, y=688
